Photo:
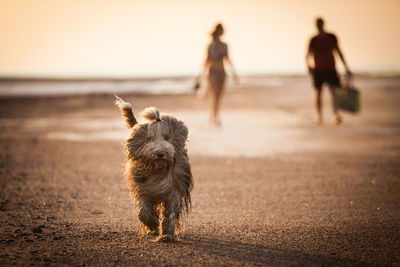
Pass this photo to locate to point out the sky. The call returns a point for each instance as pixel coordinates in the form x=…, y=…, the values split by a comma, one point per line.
x=136, y=38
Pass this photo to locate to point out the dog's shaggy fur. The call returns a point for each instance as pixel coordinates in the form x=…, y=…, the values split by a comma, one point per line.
x=157, y=170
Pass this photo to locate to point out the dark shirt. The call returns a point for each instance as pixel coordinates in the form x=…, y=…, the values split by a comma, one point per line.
x=322, y=46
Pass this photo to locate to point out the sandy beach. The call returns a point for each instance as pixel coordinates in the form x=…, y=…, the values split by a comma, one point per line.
x=271, y=187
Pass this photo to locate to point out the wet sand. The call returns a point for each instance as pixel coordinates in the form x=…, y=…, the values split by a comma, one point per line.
x=271, y=187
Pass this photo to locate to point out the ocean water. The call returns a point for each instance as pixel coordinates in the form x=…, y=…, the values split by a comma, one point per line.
x=183, y=85
x=37, y=87
x=168, y=85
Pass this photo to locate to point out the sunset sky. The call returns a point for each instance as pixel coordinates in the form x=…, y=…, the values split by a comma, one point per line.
x=70, y=38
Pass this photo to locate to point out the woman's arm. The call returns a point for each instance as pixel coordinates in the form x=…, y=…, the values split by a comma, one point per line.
x=232, y=68
x=203, y=71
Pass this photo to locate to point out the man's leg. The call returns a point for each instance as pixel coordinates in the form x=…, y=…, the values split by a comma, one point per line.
x=337, y=119
x=318, y=103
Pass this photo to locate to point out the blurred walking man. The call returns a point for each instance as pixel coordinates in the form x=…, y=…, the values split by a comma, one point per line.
x=322, y=68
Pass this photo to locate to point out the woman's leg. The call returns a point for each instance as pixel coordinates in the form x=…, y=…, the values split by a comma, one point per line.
x=216, y=88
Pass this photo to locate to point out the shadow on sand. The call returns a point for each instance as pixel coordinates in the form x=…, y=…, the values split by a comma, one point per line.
x=247, y=253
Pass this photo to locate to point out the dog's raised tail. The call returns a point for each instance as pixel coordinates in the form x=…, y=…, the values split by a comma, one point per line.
x=151, y=114
x=126, y=111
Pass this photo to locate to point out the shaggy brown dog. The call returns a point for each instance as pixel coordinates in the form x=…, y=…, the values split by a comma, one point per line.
x=157, y=169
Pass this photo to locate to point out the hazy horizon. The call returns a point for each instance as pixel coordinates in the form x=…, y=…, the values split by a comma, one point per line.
x=153, y=38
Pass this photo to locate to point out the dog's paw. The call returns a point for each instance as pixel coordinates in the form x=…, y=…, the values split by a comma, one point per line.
x=164, y=238
x=150, y=233
x=153, y=233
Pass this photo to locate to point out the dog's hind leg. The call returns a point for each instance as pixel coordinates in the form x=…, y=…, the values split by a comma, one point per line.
x=148, y=223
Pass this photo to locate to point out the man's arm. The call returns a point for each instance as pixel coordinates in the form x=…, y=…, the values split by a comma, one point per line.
x=339, y=51
x=308, y=58
x=348, y=72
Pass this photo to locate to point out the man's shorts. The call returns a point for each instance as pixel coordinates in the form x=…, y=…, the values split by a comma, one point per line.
x=329, y=77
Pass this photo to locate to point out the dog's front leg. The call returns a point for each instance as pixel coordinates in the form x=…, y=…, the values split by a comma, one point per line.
x=148, y=223
x=168, y=222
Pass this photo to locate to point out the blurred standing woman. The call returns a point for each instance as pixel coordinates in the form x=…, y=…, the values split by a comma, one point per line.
x=217, y=54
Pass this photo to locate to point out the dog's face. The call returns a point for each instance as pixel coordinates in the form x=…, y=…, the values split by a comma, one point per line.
x=156, y=144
